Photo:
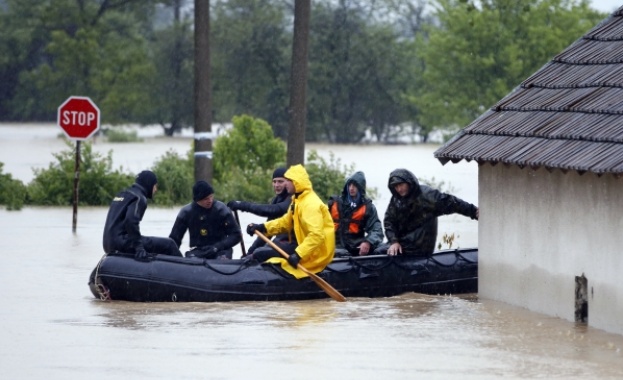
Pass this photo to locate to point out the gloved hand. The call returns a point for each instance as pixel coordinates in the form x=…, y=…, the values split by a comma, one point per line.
x=141, y=254
x=191, y=252
x=294, y=259
x=234, y=205
x=207, y=251
x=251, y=228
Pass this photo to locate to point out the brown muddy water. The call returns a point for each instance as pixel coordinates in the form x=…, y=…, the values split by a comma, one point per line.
x=52, y=327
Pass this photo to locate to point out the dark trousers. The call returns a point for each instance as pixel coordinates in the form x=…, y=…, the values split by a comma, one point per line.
x=265, y=253
x=160, y=245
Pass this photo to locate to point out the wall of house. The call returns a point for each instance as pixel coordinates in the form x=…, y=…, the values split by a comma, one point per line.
x=538, y=230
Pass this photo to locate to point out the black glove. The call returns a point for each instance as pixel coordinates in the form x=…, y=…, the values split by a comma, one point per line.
x=141, y=254
x=234, y=205
x=251, y=228
x=294, y=259
x=208, y=251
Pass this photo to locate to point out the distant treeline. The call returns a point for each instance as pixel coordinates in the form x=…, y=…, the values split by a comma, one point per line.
x=377, y=69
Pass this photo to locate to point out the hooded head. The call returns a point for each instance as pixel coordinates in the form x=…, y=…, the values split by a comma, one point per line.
x=359, y=180
x=404, y=176
x=299, y=177
x=147, y=179
x=201, y=189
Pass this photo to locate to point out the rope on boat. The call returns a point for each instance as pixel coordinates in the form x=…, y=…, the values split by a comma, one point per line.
x=103, y=292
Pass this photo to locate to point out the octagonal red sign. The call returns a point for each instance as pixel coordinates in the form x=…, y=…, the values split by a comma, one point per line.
x=79, y=117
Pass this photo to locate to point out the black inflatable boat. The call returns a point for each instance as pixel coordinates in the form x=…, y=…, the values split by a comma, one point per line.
x=178, y=279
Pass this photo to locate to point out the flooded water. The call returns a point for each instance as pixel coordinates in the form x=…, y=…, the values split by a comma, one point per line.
x=52, y=327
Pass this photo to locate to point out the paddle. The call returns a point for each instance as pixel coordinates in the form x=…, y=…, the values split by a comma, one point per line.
x=244, y=251
x=331, y=291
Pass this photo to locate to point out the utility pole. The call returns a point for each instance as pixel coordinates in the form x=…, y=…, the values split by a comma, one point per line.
x=298, y=84
x=203, y=96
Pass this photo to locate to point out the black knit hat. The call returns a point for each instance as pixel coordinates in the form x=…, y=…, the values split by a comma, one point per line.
x=147, y=179
x=201, y=189
x=279, y=172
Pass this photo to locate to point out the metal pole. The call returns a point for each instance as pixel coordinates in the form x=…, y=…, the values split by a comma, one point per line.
x=76, y=182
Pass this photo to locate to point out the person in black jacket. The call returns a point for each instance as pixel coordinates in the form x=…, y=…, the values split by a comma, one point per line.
x=410, y=221
x=211, y=226
x=122, y=232
x=276, y=208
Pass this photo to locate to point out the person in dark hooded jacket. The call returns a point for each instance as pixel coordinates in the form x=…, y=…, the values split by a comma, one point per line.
x=358, y=229
x=210, y=224
x=122, y=231
x=276, y=208
x=410, y=221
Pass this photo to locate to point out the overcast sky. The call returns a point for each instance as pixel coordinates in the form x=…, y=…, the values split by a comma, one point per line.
x=606, y=5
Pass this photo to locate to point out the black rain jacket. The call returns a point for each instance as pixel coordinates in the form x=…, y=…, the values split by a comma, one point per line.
x=121, y=230
x=213, y=227
x=412, y=220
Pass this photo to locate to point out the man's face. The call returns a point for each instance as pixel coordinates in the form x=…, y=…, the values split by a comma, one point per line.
x=352, y=190
x=402, y=188
x=206, y=202
x=289, y=186
x=279, y=183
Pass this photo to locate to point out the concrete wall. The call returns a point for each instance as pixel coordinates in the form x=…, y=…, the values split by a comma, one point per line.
x=538, y=230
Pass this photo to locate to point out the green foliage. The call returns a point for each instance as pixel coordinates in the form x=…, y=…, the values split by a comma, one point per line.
x=358, y=73
x=479, y=52
x=12, y=191
x=175, y=179
x=327, y=177
x=244, y=158
x=98, y=183
x=95, y=49
x=251, y=45
x=118, y=135
x=441, y=185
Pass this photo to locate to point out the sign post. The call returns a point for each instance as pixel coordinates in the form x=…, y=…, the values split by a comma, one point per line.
x=79, y=118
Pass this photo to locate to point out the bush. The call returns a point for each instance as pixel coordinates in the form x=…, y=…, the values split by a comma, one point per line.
x=175, y=179
x=97, y=186
x=12, y=191
x=328, y=178
x=118, y=135
x=244, y=159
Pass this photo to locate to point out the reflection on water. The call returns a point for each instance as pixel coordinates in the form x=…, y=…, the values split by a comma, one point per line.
x=53, y=328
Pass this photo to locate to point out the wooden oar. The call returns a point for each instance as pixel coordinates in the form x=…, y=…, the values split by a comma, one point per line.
x=244, y=251
x=331, y=291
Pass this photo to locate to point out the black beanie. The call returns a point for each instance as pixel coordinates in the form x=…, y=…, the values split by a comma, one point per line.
x=279, y=172
x=201, y=189
x=147, y=179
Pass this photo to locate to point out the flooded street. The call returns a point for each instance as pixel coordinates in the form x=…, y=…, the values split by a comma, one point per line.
x=51, y=327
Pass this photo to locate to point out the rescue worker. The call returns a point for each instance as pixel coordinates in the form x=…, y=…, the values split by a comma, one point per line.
x=410, y=221
x=309, y=218
x=122, y=231
x=210, y=225
x=276, y=208
x=358, y=229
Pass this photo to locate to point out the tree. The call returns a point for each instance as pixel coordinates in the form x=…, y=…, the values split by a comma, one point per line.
x=74, y=47
x=480, y=51
x=358, y=74
x=171, y=88
x=250, y=61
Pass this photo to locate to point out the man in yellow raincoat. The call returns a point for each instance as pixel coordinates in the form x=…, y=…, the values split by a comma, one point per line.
x=309, y=218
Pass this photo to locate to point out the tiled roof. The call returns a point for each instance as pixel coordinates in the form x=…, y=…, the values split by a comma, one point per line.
x=568, y=115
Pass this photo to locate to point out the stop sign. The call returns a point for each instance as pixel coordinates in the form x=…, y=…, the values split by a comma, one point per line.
x=79, y=117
